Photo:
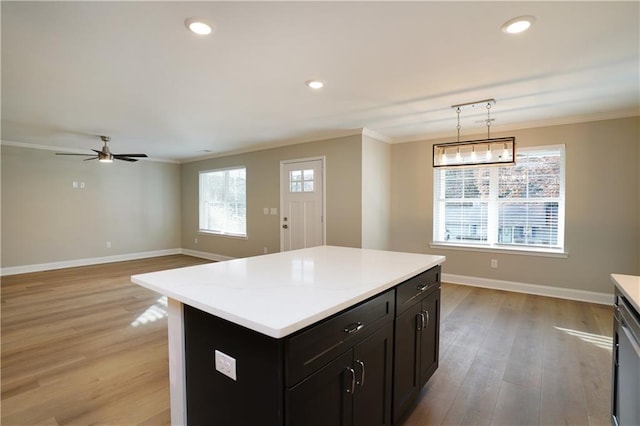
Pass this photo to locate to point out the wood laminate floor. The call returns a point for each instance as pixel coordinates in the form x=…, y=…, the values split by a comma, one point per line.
x=517, y=359
x=85, y=346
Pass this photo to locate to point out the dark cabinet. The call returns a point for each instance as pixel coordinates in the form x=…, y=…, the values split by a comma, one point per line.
x=416, y=346
x=353, y=389
x=363, y=366
x=321, y=399
x=336, y=372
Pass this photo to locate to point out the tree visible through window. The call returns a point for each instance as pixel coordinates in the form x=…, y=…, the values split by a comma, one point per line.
x=223, y=206
x=506, y=206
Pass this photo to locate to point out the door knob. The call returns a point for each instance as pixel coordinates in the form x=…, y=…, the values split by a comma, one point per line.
x=285, y=226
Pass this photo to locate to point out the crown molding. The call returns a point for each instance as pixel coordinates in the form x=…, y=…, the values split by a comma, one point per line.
x=560, y=121
x=375, y=135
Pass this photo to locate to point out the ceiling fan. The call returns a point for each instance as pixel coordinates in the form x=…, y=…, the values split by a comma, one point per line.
x=105, y=156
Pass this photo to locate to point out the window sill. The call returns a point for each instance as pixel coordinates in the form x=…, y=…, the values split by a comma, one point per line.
x=525, y=251
x=222, y=234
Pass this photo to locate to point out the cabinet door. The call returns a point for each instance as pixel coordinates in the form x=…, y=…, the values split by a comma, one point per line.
x=430, y=337
x=372, y=362
x=406, y=360
x=322, y=398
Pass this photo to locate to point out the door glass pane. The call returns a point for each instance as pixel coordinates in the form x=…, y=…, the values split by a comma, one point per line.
x=308, y=174
x=301, y=180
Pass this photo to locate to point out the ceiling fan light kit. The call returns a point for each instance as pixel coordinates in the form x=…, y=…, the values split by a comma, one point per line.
x=105, y=156
x=480, y=152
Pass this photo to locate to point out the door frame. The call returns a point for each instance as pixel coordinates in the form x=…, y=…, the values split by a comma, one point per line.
x=323, y=167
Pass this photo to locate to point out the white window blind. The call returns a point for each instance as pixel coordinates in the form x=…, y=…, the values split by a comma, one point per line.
x=515, y=206
x=223, y=207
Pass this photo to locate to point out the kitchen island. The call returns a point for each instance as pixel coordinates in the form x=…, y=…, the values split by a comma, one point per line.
x=625, y=388
x=252, y=340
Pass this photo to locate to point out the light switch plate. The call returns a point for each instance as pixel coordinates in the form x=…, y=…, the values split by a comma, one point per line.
x=225, y=364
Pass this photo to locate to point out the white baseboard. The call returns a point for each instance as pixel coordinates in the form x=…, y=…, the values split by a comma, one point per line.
x=205, y=255
x=24, y=269
x=13, y=270
x=540, y=290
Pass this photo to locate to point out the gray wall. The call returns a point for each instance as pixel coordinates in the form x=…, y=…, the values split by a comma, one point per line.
x=135, y=206
x=376, y=193
x=602, y=208
x=150, y=206
x=343, y=196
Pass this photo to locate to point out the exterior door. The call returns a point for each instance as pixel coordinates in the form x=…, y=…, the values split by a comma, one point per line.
x=302, y=204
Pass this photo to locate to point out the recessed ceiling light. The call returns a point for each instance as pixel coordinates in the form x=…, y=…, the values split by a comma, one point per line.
x=197, y=26
x=314, y=84
x=518, y=25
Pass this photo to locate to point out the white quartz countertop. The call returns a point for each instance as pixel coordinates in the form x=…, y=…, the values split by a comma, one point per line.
x=629, y=285
x=279, y=294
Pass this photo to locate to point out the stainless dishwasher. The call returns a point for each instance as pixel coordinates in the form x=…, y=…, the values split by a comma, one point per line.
x=625, y=403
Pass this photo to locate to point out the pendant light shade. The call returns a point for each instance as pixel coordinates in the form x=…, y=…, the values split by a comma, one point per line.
x=478, y=152
x=474, y=153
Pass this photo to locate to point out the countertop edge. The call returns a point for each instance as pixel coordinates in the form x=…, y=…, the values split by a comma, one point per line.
x=628, y=284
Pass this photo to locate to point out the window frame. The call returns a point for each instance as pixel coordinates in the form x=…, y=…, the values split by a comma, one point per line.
x=222, y=232
x=492, y=245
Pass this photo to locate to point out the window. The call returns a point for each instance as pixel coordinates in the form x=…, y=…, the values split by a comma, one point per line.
x=301, y=180
x=518, y=206
x=223, y=205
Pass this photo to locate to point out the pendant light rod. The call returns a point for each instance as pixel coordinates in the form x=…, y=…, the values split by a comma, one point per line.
x=474, y=104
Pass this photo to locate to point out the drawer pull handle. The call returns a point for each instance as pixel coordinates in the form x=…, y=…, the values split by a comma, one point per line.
x=352, y=389
x=352, y=328
x=361, y=381
x=422, y=287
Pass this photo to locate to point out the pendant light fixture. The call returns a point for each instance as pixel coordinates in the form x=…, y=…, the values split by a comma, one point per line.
x=480, y=152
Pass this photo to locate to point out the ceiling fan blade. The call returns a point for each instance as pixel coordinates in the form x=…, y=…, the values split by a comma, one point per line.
x=106, y=156
x=65, y=153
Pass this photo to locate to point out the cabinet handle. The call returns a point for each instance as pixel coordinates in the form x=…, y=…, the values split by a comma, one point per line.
x=421, y=321
x=427, y=315
x=422, y=287
x=352, y=328
x=361, y=381
x=352, y=389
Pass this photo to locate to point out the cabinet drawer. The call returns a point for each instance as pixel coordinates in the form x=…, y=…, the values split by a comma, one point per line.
x=414, y=288
x=314, y=347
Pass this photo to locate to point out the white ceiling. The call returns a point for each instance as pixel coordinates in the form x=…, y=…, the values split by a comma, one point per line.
x=132, y=71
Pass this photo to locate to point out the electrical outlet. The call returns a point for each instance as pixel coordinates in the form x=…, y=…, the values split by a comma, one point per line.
x=195, y=240
x=74, y=184
x=494, y=263
x=225, y=364
x=108, y=244
x=265, y=250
